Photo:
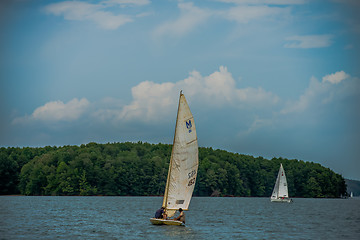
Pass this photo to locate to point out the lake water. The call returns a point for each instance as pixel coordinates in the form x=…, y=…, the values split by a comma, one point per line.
x=23, y=217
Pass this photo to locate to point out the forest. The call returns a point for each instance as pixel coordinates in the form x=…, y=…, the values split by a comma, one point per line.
x=140, y=169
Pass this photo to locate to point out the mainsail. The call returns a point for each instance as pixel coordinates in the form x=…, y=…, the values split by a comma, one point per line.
x=280, y=188
x=184, y=162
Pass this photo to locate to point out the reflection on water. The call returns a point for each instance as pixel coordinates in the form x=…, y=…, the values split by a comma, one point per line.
x=208, y=218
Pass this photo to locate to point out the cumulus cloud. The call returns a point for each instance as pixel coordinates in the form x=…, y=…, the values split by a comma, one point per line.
x=98, y=13
x=251, y=109
x=75, y=10
x=309, y=41
x=335, y=77
x=152, y=101
x=272, y=2
x=190, y=17
x=127, y=2
x=57, y=111
x=323, y=92
x=314, y=105
x=244, y=13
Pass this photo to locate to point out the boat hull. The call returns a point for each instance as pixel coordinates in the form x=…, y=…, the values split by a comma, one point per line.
x=281, y=200
x=159, y=221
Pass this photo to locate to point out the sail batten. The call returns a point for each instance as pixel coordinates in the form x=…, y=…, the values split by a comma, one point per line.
x=195, y=140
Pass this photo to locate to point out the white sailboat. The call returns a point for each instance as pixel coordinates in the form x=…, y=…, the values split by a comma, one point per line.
x=183, y=165
x=280, y=192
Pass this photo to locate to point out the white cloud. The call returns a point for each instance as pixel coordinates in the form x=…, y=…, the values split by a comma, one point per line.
x=109, y=21
x=152, y=101
x=98, y=13
x=155, y=101
x=244, y=14
x=127, y=2
x=309, y=41
x=323, y=92
x=335, y=77
x=73, y=10
x=313, y=106
x=57, y=111
x=190, y=17
x=272, y=2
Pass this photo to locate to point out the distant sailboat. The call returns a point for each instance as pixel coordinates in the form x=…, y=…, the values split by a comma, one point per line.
x=351, y=194
x=183, y=165
x=280, y=192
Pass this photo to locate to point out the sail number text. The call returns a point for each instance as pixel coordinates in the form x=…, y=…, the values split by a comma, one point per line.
x=191, y=182
x=191, y=174
x=192, y=177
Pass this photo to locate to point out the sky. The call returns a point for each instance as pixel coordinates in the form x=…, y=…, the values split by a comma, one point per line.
x=270, y=78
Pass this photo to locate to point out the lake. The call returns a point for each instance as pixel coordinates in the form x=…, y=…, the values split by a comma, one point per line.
x=25, y=217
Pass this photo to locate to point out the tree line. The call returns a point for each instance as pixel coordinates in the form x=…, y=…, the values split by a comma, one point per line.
x=140, y=169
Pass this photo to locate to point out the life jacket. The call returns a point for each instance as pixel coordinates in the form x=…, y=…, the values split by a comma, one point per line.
x=182, y=217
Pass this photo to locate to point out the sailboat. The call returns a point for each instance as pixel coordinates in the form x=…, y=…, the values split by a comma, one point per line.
x=280, y=192
x=183, y=165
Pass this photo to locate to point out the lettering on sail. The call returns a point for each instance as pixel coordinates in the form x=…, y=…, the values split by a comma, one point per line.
x=191, y=174
x=189, y=125
x=191, y=182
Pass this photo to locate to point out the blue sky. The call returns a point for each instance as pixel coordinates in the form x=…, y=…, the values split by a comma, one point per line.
x=271, y=78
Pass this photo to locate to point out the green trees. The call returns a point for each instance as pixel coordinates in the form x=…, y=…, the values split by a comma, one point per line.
x=141, y=169
x=8, y=174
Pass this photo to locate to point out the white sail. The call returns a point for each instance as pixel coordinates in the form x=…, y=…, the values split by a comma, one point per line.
x=275, y=192
x=280, y=191
x=183, y=162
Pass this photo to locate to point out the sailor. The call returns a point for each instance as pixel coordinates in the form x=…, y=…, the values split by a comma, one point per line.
x=181, y=217
x=159, y=213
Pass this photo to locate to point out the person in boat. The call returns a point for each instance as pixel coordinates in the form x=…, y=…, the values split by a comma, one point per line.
x=160, y=213
x=181, y=217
